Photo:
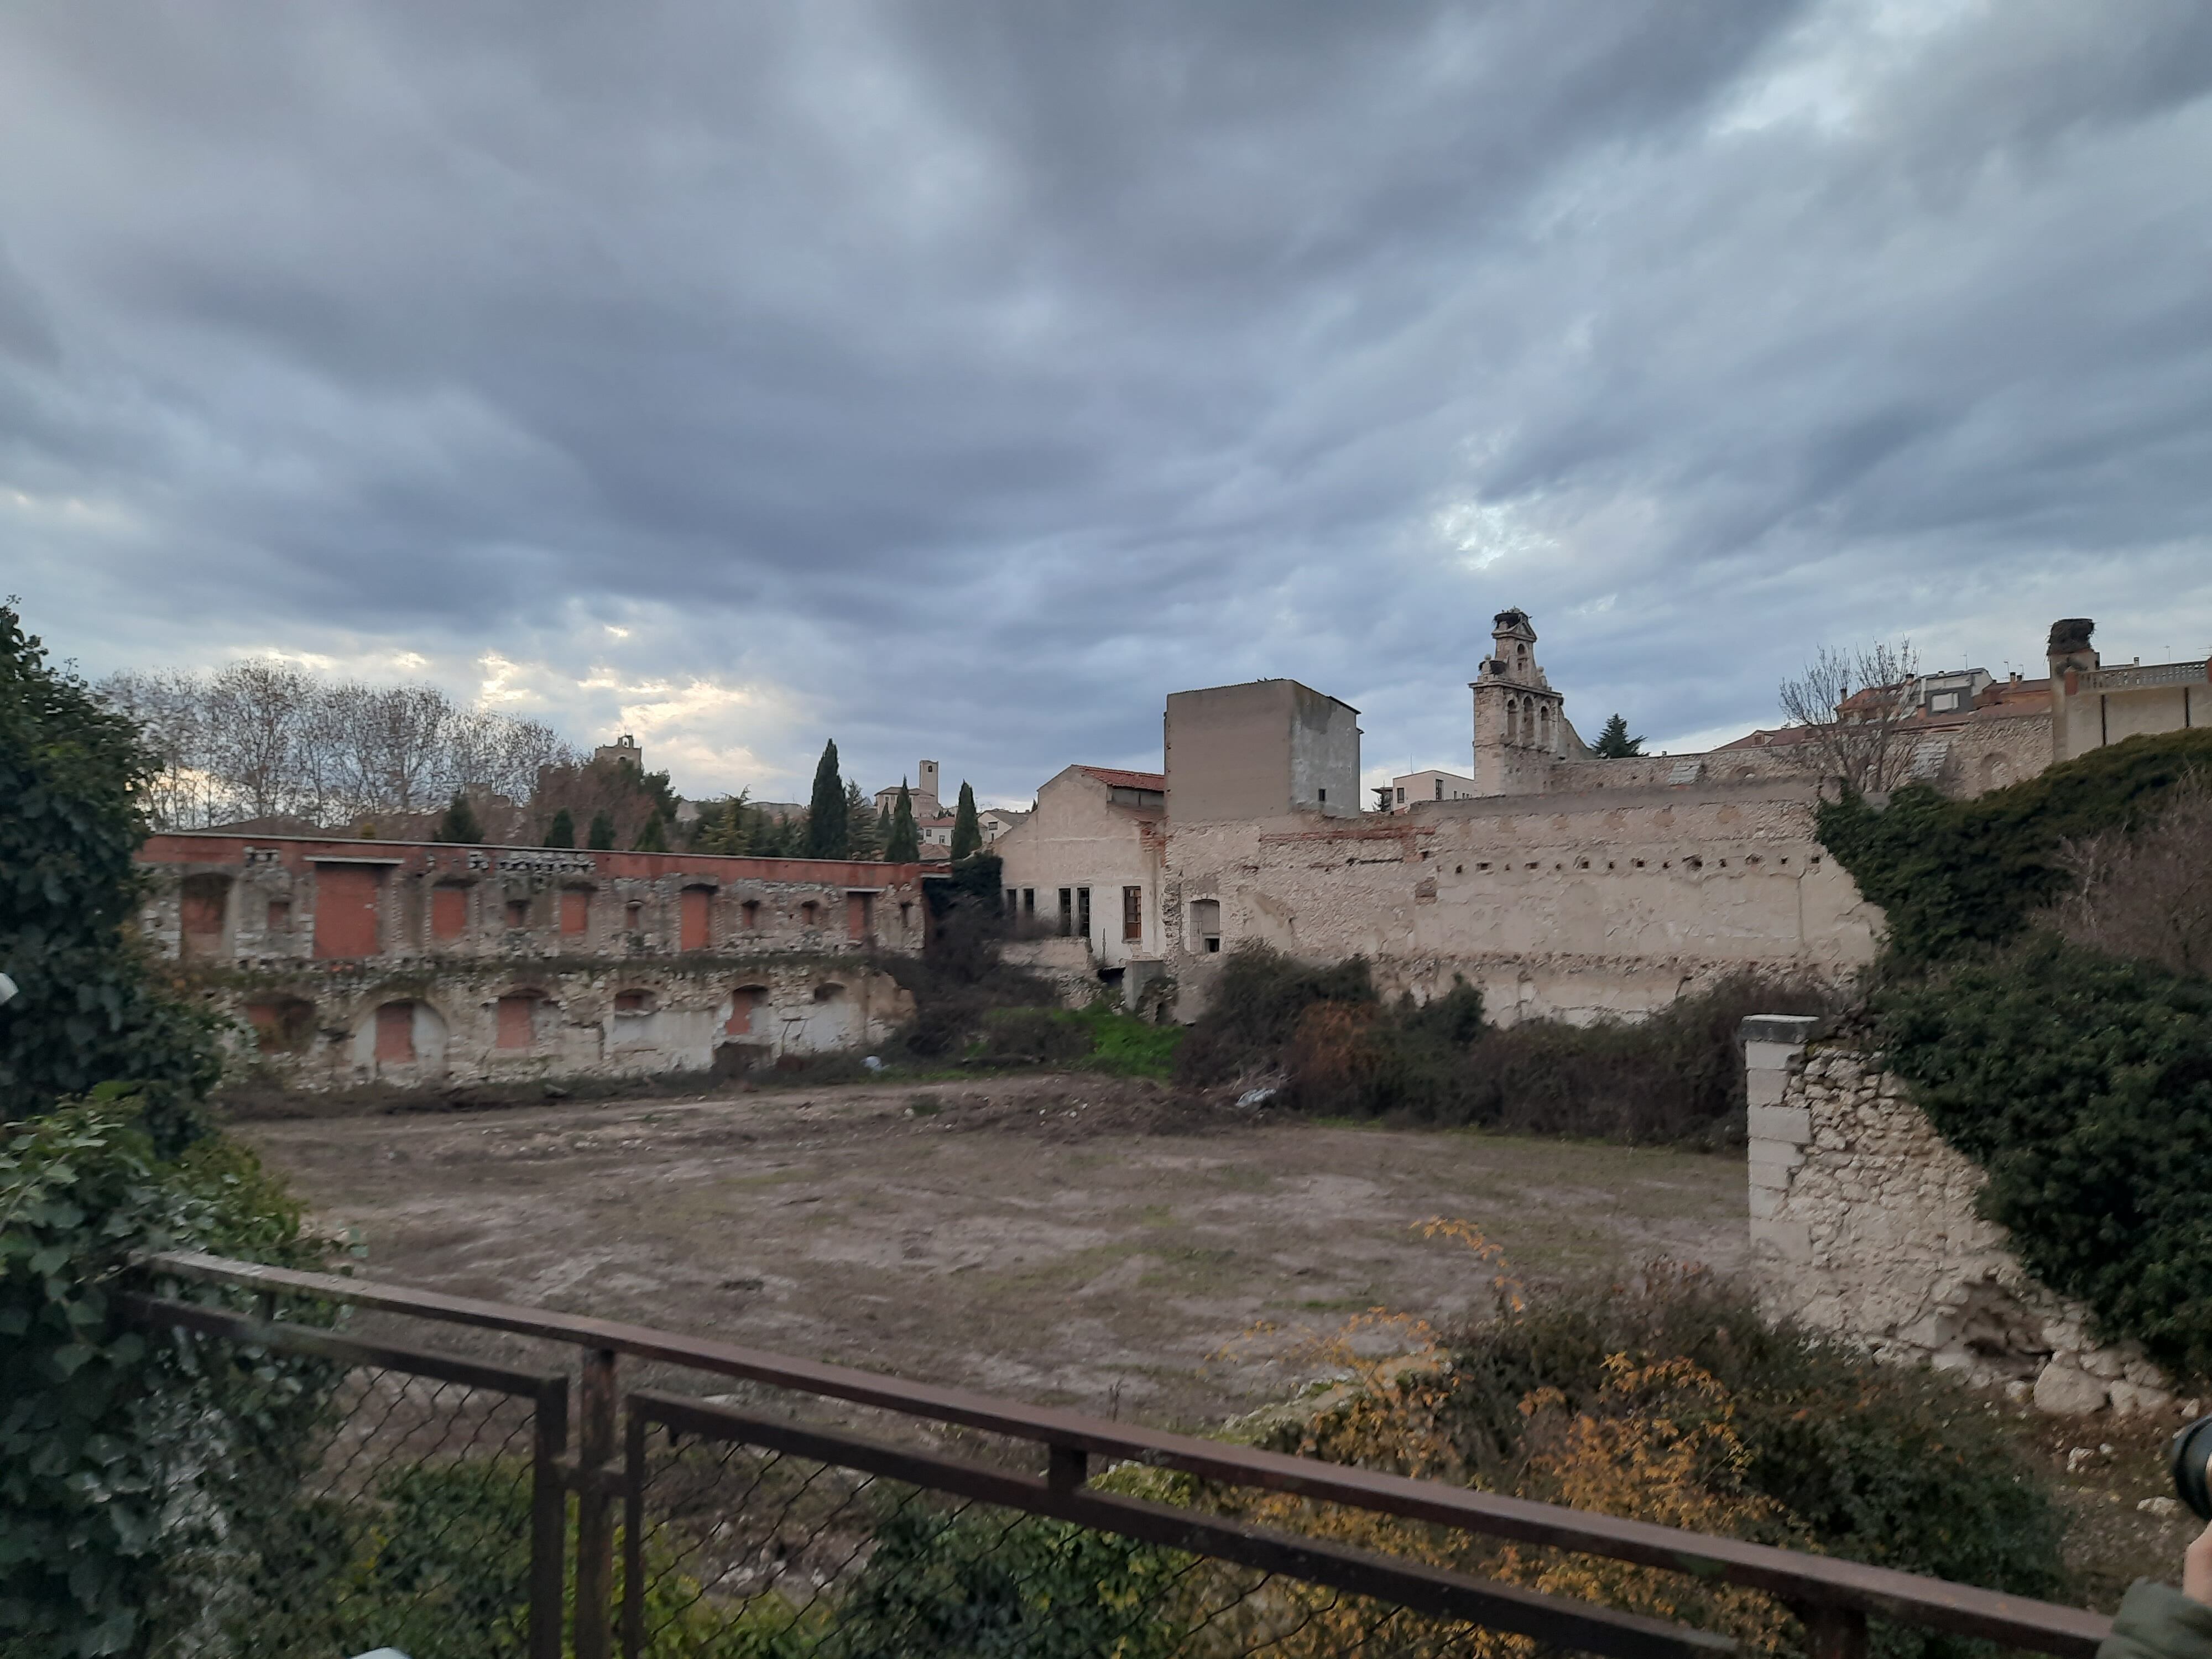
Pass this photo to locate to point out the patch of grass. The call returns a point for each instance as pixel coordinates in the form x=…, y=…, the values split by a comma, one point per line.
x=1099, y=1038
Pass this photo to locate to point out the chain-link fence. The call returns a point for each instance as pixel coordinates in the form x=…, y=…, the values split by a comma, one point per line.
x=356, y=1496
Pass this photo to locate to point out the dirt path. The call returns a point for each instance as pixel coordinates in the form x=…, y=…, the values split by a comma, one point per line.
x=1039, y=1236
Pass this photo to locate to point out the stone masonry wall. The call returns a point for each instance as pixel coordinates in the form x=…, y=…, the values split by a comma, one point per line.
x=1863, y=1225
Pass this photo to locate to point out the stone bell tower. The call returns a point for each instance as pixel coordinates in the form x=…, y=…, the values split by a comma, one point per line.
x=1520, y=722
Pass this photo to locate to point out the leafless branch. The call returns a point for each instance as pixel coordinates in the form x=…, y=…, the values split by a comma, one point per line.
x=1851, y=707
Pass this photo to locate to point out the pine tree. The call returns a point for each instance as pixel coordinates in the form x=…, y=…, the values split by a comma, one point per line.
x=653, y=838
x=459, y=824
x=601, y=836
x=903, y=845
x=967, y=828
x=562, y=832
x=1615, y=743
x=861, y=837
x=827, y=833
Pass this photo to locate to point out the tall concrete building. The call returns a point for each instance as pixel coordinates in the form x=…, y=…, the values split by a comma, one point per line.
x=1260, y=751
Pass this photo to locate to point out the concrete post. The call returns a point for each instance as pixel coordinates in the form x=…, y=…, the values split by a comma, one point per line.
x=1777, y=1132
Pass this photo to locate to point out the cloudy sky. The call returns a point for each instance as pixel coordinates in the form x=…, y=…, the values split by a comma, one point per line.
x=959, y=378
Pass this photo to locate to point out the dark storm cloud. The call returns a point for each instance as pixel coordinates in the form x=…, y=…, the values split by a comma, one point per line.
x=969, y=376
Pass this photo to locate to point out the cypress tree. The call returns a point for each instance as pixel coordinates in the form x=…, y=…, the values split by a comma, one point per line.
x=562, y=832
x=827, y=833
x=459, y=824
x=601, y=836
x=883, y=831
x=967, y=828
x=903, y=845
x=860, y=833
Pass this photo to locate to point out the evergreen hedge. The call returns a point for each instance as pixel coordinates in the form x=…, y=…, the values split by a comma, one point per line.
x=1954, y=874
x=2081, y=1081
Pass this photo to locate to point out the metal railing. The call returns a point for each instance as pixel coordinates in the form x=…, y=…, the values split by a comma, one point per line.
x=661, y=1522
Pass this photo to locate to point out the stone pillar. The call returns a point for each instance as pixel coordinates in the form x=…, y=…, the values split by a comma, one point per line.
x=1773, y=1044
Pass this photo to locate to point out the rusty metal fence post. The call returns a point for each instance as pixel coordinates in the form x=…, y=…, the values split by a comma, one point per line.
x=549, y=1520
x=596, y=1480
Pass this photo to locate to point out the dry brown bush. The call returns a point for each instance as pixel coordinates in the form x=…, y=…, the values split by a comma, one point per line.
x=2147, y=896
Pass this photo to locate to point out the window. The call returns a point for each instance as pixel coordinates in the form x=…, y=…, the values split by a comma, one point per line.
x=518, y=913
x=750, y=910
x=1029, y=901
x=1440, y=788
x=280, y=915
x=1083, y=912
x=201, y=922
x=1205, y=924
x=575, y=909
x=633, y=1002
x=1324, y=798
x=633, y=918
x=449, y=911
x=1066, y=911
x=906, y=916
x=1401, y=798
x=1132, y=913
x=807, y=912
x=860, y=917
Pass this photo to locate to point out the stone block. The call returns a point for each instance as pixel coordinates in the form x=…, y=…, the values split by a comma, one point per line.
x=1793, y=1124
x=2102, y=1362
x=1781, y=1030
x=1773, y=1162
x=2143, y=1374
x=1765, y=1201
x=2130, y=1399
x=1763, y=1088
x=2064, y=1389
x=1791, y=1241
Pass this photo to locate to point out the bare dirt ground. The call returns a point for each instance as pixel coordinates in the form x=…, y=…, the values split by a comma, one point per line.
x=1067, y=1240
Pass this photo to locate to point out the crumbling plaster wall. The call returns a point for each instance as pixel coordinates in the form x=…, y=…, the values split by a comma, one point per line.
x=1604, y=904
x=320, y=1029
x=1864, y=1225
x=476, y=964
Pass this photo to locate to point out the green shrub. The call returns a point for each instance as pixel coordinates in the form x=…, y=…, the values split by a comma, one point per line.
x=1951, y=874
x=962, y=1585
x=1674, y=1077
x=1254, y=1011
x=1099, y=1038
x=1878, y=1463
x=91, y=1007
x=2083, y=1085
x=104, y=1431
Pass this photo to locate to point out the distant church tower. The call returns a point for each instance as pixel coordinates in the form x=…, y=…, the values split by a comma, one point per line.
x=1520, y=722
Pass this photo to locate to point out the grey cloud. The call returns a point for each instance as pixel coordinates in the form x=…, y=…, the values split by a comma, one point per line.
x=984, y=371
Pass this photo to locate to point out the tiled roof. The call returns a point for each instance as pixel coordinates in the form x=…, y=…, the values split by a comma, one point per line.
x=1116, y=780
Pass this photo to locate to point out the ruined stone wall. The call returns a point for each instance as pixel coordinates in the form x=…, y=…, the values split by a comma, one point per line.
x=1964, y=757
x=1863, y=1225
x=408, y=964
x=1600, y=904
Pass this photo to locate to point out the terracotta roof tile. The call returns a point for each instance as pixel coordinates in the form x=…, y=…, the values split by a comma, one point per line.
x=1117, y=779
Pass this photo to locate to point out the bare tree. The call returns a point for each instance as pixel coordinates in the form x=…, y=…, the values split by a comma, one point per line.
x=168, y=710
x=256, y=716
x=1856, y=735
x=262, y=738
x=2146, y=895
